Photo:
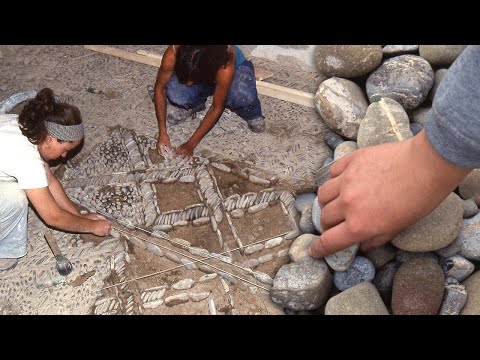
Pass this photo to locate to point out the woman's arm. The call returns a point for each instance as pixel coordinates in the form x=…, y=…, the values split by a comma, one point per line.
x=48, y=209
x=58, y=192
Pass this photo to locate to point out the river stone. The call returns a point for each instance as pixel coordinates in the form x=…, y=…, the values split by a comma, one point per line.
x=436, y=230
x=341, y=260
x=342, y=105
x=347, y=60
x=470, y=208
x=419, y=115
x=457, y=267
x=298, y=249
x=468, y=238
x=327, y=161
x=383, y=280
x=399, y=49
x=439, y=75
x=304, y=201
x=441, y=55
x=406, y=78
x=384, y=122
x=381, y=255
x=306, y=224
x=472, y=286
x=332, y=139
x=362, y=299
x=451, y=249
x=316, y=212
x=418, y=288
x=360, y=270
x=469, y=188
x=303, y=285
x=404, y=256
x=454, y=300
x=344, y=148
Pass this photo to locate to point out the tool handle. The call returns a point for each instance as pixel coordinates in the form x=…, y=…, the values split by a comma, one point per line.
x=52, y=243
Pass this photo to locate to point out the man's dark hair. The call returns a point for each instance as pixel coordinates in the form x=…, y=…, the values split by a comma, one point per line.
x=200, y=63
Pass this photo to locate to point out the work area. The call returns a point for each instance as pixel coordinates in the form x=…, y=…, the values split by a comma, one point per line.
x=224, y=226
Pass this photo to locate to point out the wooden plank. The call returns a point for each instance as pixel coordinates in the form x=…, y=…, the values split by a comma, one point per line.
x=149, y=54
x=124, y=54
x=284, y=93
x=263, y=88
x=260, y=73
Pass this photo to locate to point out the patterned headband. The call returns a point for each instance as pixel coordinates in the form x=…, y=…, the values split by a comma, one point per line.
x=65, y=132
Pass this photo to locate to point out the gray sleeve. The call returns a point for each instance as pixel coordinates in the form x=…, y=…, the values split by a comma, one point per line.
x=453, y=123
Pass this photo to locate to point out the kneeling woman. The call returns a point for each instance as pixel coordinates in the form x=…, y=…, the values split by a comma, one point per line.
x=45, y=130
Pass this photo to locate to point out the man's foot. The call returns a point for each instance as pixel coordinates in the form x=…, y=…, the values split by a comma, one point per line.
x=7, y=264
x=177, y=114
x=257, y=125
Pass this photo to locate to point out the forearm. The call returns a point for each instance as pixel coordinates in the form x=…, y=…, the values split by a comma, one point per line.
x=453, y=123
x=439, y=173
x=161, y=109
x=67, y=221
x=60, y=196
x=208, y=122
x=54, y=215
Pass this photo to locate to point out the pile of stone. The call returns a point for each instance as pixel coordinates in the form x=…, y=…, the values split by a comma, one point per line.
x=376, y=95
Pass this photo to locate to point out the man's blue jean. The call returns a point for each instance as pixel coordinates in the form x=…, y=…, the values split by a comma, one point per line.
x=242, y=96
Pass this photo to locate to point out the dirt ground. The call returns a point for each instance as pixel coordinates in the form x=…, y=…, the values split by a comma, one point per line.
x=113, y=275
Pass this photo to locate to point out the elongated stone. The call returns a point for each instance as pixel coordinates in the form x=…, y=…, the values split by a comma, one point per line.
x=180, y=242
x=253, y=248
x=237, y=213
x=221, y=167
x=258, y=180
x=256, y=208
x=201, y=221
x=176, y=299
x=273, y=242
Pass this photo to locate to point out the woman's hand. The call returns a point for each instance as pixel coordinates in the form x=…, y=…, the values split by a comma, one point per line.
x=101, y=227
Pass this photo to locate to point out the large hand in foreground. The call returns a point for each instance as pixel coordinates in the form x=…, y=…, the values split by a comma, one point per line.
x=378, y=191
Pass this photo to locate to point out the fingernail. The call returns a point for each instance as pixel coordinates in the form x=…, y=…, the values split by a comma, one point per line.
x=309, y=251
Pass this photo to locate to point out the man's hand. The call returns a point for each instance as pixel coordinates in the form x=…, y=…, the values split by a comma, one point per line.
x=186, y=151
x=376, y=192
x=164, y=146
